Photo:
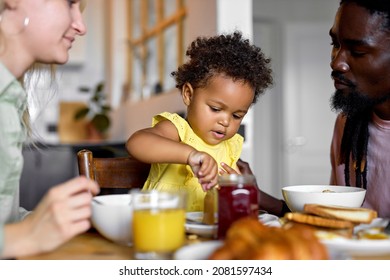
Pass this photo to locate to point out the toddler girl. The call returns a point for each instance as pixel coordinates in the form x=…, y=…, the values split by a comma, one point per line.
x=223, y=77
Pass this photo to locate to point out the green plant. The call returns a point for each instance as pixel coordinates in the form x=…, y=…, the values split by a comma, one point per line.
x=97, y=110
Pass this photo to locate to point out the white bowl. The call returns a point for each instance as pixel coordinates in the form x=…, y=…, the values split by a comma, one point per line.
x=297, y=196
x=113, y=217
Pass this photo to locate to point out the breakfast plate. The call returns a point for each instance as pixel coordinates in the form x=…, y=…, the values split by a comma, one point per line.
x=361, y=247
x=195, y=226
x=197, y=251
x=203, y=250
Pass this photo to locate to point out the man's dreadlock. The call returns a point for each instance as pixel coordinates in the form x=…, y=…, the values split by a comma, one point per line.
x=354, y=145
x=355, y=137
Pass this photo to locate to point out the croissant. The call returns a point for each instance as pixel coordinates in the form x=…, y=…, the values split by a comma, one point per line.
x=249, y=239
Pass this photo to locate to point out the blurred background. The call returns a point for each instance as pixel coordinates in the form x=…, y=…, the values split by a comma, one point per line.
x=118, y=77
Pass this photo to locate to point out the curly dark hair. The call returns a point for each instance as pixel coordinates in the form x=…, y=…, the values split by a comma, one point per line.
x=375, y=7
x=231, y=55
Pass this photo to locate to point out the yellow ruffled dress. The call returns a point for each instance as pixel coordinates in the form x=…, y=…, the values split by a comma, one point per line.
x=172, y=177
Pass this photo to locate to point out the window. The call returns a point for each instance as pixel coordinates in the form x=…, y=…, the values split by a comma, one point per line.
x=155, y=34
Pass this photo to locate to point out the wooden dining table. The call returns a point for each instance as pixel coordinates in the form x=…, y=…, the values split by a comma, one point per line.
x=93, y=246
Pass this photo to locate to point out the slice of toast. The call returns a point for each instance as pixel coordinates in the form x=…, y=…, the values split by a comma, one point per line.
x=352, y=214
x=326, y=232
x=313, y=220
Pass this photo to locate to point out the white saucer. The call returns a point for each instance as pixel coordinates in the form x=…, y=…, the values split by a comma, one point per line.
x=197, y=251
x=197, y=227
x=204, y=230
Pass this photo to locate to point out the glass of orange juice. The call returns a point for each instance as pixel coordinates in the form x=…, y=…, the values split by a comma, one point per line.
x=158, y=223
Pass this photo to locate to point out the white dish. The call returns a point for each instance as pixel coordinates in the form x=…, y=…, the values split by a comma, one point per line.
x=203, y=250
x=197, y=251
x=211, y=230
x=199, y=229
x=361, y=247
x=112, y=217
x=269, y=220
x=297, y=196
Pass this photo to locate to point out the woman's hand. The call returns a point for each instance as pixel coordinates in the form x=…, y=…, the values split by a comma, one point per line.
x=64, y=212
x=205, y=168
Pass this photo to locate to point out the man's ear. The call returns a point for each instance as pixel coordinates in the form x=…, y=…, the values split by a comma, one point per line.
x=187, y=93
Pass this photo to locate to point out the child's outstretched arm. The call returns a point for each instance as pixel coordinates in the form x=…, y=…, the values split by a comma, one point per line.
x=161, y=144
x=158, y=144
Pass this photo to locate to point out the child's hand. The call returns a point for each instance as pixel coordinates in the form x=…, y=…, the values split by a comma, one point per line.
x=205, y=169
x=243, y=168
x=226, y=169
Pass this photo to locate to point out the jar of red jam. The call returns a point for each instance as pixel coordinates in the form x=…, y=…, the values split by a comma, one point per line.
x=238, y=196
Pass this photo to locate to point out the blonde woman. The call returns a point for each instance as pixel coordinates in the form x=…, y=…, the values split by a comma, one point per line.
x=35, y=31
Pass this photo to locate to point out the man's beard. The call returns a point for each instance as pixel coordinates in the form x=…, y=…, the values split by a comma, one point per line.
x=354, y=102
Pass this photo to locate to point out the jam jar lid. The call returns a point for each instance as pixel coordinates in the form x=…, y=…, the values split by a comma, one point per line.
x=234, y=179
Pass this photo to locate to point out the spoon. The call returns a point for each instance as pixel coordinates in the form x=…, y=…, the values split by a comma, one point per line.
x=97, y=201
x=101, y=203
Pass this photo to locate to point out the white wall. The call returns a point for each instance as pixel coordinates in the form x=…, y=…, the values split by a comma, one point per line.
x=235, y=15
x=271, y=19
